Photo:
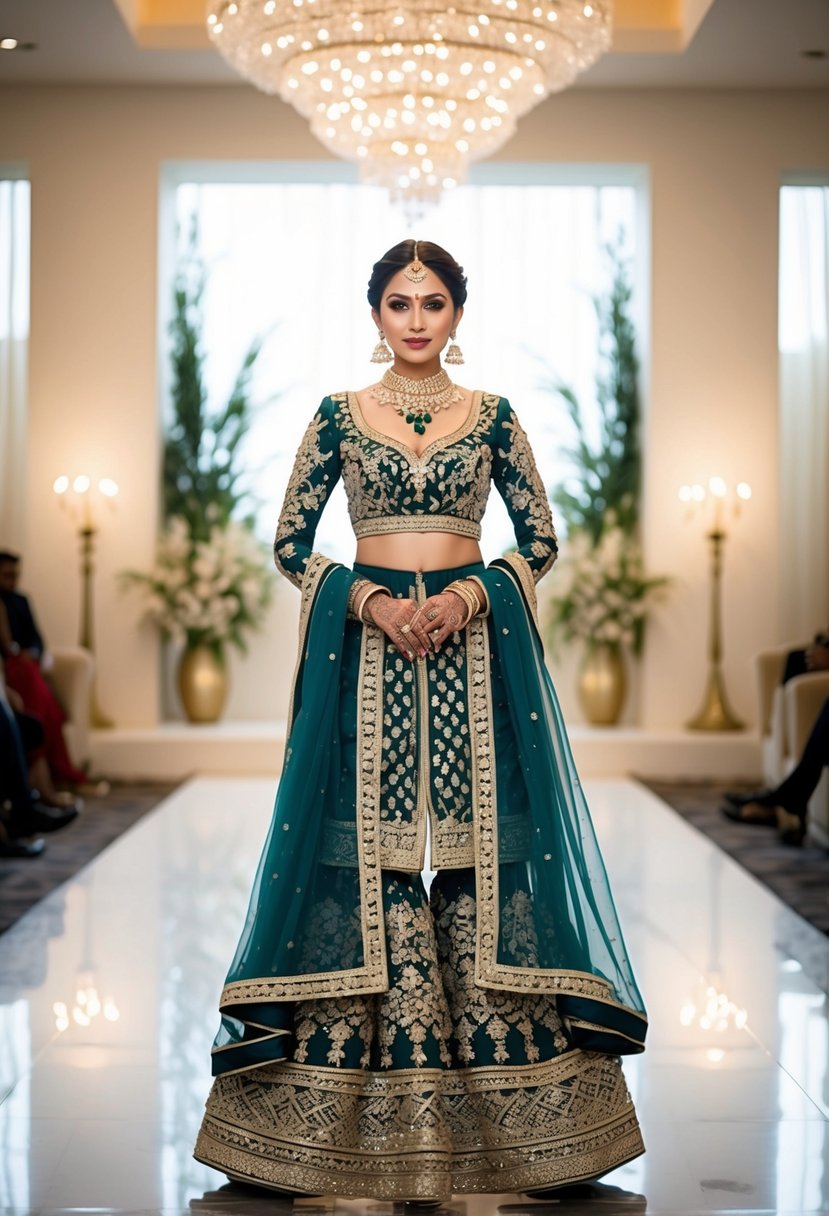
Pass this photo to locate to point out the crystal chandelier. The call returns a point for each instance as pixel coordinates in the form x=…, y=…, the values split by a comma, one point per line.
x=412, y=94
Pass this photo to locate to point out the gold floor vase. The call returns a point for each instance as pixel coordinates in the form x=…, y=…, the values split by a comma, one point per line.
x=202, y=684
x=602, y=685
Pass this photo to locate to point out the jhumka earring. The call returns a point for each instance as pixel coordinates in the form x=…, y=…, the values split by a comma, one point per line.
x=454, y=353
x=381, y=354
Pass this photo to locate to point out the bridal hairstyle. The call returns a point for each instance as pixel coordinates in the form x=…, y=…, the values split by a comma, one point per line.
x=402, y=255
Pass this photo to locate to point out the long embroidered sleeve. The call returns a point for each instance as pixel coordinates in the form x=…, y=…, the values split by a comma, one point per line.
x=316, y=471
x=517, y=480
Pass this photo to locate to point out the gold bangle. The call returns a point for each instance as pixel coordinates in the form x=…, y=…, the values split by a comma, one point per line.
x=483, y=598
x=468, y=596
x=474, y=602
x=354, y=591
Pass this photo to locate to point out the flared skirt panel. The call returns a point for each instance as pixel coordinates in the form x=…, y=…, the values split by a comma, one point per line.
x=435, y=1086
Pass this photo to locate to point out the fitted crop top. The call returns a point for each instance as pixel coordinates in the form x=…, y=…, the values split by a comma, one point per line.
x=391, y=489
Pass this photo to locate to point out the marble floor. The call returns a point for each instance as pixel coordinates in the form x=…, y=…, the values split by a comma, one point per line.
x=108, y=995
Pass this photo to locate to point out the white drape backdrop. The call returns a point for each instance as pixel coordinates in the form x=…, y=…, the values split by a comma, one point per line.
x=295, y=259
x=804, y=410
x=14, y=334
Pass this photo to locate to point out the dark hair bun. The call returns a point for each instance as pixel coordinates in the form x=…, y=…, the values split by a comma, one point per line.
x=437, y=259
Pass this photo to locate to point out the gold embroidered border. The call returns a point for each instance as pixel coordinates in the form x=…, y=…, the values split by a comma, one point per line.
x=315, y=567
x=383, y=524
x=403, y=846
x=373, y=975
x=369, y=760
x=452, y=845
x=483, y=787
x=422, y=1133
x=522, y=568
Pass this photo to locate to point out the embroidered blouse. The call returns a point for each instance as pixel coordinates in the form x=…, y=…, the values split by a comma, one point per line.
x=391, y=489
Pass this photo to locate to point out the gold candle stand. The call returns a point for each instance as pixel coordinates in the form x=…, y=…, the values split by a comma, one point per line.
x=87, y=535
x=715, y=712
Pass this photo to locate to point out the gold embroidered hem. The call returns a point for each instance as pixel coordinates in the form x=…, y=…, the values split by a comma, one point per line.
x=433, y=1086
x=421, y=1134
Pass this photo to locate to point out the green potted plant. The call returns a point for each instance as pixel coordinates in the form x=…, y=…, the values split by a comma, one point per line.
x=212, y=580
x=606, y=593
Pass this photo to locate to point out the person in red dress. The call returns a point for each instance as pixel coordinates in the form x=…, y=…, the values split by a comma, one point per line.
x=22, y=650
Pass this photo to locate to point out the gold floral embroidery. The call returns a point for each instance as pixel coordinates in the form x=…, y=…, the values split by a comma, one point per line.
x=338, y=1018
x=451, y=757
x=518, y=930
x=475, y=1009
x=389, y=489
x=414, y=1007
x=520, y=484
x=333, y=940
x=308, y=488
x=403, y=1020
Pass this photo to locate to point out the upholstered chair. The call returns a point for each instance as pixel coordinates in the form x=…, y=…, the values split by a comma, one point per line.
x=787, y=713
x=71, y=678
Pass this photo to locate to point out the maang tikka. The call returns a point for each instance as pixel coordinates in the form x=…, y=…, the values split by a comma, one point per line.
x=415, y=272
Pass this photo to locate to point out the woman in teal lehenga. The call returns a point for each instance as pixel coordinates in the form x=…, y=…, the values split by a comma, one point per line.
x=377, y=1039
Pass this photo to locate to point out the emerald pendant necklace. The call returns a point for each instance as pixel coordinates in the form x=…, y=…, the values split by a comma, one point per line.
x=416, y=400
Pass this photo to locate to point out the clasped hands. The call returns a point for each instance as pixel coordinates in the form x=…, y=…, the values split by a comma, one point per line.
x=415, y=629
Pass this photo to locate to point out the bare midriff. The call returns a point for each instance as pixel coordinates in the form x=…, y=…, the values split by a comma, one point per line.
x=418, y=551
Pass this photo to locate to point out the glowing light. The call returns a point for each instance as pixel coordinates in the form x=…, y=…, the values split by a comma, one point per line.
x=286, y=49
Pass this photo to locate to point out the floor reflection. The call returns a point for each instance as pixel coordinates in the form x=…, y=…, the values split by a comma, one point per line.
x=108, y=1006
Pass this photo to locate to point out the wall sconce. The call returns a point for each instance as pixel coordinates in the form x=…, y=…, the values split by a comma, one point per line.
x=81, y=499
x=715, y=501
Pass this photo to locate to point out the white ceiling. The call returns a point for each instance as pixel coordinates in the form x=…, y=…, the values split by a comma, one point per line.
x=740, y=44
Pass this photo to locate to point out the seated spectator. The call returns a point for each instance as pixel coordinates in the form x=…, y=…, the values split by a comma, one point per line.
x=786, y=805
x=798, y=662
x=22, y=624
x=32, y=737
x=21, y=648
x=22, y=814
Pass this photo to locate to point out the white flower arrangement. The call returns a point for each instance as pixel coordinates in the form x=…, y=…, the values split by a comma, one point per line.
x=207, y=592
x=606, y=594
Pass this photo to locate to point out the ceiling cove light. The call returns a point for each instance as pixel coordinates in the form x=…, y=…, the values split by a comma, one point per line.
x=449, y=82
x=14, y=44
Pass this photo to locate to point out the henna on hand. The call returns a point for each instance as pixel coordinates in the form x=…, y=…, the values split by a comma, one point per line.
x=450, y=613
x=392, y=616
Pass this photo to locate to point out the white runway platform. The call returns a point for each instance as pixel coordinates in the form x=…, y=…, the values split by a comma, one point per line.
x=101, y=1117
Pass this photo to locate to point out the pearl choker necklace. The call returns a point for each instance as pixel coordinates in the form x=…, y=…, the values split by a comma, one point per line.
x=416, y=400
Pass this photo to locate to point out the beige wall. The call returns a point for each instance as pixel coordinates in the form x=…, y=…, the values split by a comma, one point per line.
x=715, y=160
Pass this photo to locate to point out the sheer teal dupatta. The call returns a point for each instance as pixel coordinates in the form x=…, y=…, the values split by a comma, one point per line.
x=580, y=955
x=311, y=929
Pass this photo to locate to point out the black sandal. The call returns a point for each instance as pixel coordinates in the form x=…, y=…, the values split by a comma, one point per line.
x=753, y=812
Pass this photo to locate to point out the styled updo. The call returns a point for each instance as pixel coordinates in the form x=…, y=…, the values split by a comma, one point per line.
x=437, y=259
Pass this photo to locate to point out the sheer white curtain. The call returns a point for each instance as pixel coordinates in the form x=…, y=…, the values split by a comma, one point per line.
x=295, y=259
x=804, y=409
x=14, y=334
